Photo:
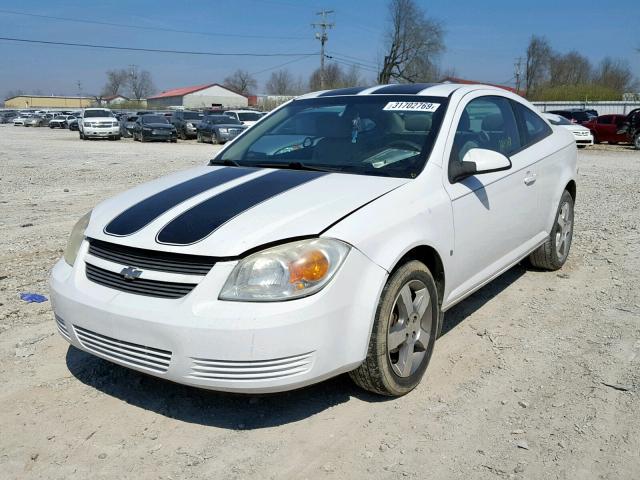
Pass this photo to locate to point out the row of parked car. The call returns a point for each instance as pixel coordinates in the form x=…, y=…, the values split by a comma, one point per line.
x=213, y=126
x=588, y=127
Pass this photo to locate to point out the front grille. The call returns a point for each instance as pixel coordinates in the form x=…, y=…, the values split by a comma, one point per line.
x=225, y=370
x=127, y=353
x=151, y=259
x=139, y=286
x=62, y=327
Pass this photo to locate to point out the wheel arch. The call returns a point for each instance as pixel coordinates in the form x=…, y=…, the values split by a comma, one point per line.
x=571, y=188
x=432, y=259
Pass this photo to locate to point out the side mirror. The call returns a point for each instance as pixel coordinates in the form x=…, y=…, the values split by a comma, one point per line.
x=478, y=161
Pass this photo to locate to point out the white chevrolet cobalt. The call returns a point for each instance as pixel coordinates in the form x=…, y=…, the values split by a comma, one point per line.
x=329, y=237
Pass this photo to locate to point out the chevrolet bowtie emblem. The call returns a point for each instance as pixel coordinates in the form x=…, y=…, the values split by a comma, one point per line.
x=130, y=273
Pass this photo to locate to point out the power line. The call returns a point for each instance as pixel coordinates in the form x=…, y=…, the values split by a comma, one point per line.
x=282, y=64
x=351, y=62
x=360, y=60
x=141, y=27
x=154, y=50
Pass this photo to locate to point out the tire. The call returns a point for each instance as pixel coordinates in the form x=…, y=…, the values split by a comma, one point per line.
x=183, y=135
x=199, y=137
x=553, y=253
x=82, y=137
x=416, y=328
x=596, y=140
x=51, y=127
x=117, y=137
x=214, y=139
x=174, y=140
x=636, y=141
x=613, y=143
x=142, y=139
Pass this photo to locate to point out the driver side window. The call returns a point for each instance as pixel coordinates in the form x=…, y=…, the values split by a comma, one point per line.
x=488, y=123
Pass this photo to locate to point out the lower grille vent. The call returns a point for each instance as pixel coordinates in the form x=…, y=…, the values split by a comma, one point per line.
x=127, y=353
x=251, y=370
x=62, y=327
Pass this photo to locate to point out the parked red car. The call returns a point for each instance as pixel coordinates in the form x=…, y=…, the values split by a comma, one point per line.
x=605, y=128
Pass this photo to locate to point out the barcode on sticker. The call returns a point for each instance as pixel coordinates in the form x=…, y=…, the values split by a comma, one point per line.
x=412, y=106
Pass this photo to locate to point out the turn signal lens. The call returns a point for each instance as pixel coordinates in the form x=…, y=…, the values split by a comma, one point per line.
x=310, y=267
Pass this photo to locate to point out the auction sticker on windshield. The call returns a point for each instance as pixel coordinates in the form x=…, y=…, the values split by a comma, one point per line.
x=412, y=106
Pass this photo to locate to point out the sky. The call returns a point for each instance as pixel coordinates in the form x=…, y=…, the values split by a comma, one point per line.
x=483, y=38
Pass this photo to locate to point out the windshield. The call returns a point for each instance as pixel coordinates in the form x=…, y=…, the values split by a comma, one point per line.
x=223, y=120
x=383, y=135
x=97, y=113
x=192, y=115
x=249, y=116
x=558, y=120
x=153, y=119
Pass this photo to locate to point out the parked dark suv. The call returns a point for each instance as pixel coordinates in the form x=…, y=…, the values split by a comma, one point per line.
x=186, y=123
x=631, y=127
x=576, y=116
x=219, y=129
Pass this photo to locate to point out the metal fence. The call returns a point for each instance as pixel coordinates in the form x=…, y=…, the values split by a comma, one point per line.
x=603, y=108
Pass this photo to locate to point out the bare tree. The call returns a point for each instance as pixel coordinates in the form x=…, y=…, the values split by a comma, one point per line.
x=615, y=73
x=116, y=81
x=333, y=77
x=539, y=54
x=241, y=81
x=14, y=93
x=140, y=84
x=352, y=77
x=282, y=82
x=414, y=43
x=569, y=69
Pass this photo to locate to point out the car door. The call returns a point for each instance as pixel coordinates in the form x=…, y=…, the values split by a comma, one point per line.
x=495, y=214
x=605, y=130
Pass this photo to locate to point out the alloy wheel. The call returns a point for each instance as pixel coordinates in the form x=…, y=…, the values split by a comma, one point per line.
x=563, y=233
x=409, y=328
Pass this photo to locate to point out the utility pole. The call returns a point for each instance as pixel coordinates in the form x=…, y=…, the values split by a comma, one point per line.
x=518, y=73
x=133, y=74
x=80, y=93
x=323, y=37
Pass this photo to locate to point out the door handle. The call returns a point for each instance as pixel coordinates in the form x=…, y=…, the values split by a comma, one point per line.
x=530, y=179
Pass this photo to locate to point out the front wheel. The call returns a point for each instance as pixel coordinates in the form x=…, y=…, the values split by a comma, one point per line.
x=404, y=332
x=636, y=141
x=553, y=254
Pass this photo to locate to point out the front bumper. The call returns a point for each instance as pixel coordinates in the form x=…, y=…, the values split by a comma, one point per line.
x=160, y=135
x=230, y=346
x=101, y=131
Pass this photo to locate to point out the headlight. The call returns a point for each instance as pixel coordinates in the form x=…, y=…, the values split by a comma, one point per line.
x=285, y=272
x=87, y=124
x=222, y=130
x=75, y=239
x=189, y=124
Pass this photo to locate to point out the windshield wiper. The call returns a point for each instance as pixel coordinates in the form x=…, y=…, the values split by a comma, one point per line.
x=294, y=166
x=226, y=162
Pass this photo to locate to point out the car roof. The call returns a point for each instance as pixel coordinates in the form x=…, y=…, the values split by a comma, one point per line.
x=422, y=89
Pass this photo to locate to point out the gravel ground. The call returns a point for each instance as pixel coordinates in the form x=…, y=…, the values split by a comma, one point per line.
x=536, y=375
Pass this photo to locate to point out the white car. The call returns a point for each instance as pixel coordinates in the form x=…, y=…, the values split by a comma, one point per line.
x=61, y=121
x=20, y=119
x=582, y=135
x=98, y=123
x=338, y=251
x=247, y=117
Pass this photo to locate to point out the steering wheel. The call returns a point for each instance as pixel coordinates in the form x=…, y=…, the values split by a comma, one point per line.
x=406, y=143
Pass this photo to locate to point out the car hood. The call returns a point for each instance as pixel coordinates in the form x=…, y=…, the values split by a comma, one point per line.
x=165, y=126
x=225, y=211
x=230, y=125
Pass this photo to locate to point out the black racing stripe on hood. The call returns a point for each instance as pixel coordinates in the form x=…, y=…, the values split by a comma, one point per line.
x=203, y=219
x=146, y=211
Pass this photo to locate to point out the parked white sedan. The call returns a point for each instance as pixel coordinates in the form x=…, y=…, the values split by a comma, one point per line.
x=328, y=238
x=582, y=135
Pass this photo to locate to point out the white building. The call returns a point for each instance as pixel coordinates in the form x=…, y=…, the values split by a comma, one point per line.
x=199, y=96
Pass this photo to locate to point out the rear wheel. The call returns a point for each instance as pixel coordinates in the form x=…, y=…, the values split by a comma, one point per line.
x=553, y=254
x=405, y=329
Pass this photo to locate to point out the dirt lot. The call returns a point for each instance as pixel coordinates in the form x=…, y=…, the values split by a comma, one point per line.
x=537, y=376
